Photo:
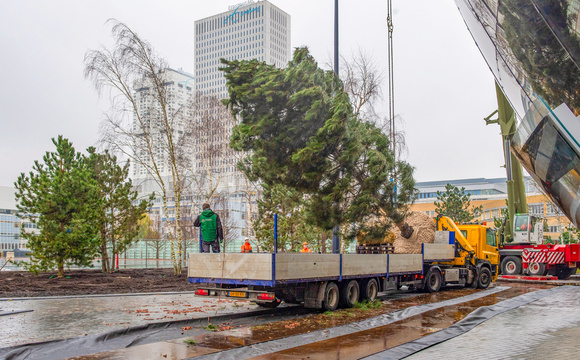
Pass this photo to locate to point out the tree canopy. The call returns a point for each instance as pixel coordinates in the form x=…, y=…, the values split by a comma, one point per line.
x=117, y=218
x=299, y=128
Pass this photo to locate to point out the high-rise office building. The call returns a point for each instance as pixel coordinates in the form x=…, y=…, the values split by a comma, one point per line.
x=179, y=92
x=250, y=30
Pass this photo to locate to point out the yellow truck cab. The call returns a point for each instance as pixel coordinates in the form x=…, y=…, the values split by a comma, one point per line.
x=475, y=250
x=483, y=240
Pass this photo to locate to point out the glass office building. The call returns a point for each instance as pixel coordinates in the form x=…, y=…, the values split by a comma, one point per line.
x=533, y=51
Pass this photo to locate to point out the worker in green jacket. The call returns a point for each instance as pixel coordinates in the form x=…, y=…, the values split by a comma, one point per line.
x=211, y=229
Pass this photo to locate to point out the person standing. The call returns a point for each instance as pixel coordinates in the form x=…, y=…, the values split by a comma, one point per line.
x=305, y=248
x=211, y=229
x=246, y=247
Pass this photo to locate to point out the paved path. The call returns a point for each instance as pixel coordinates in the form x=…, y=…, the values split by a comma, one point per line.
x=61, y=318
x=545, y=329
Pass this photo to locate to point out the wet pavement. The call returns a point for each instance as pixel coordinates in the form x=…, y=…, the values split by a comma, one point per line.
x=61, y=318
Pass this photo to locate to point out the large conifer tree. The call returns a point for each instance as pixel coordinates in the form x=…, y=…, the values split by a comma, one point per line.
x=298, y=126
x=59, y=195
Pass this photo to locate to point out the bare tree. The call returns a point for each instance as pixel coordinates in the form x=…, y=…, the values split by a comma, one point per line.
x=212, y=166
x=144, y=124
x=362, y=81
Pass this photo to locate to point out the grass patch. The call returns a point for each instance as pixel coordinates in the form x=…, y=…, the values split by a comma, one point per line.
x=331, y=313
x=211, y=327
x=365, y=305
x=190, y=342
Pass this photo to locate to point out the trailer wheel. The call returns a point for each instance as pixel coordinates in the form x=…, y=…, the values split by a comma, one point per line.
x=349, y=294
x=511, y=265
x=484, y=278
x=369, y=290
x=331, y=297
x=432, y=280
x=564, y=273
x=537, y=269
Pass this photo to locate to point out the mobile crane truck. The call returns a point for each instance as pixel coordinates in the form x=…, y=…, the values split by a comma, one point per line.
x=465, y=256
x=521, y=247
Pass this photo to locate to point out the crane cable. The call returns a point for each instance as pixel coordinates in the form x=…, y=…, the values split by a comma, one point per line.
x=391, y=88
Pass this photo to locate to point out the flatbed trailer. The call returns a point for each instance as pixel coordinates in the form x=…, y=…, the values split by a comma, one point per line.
x=326, y=281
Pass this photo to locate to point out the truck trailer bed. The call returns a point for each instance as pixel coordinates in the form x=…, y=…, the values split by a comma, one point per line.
x=267, y=269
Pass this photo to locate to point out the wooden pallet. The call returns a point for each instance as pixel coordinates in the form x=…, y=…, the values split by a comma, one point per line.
x=386, y=248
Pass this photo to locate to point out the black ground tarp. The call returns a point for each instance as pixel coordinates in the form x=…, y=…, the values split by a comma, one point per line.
x=132, y=336
x=267, y=347
x=475, y=318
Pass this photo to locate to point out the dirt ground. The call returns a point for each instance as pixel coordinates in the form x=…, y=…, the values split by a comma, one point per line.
x=83, y=282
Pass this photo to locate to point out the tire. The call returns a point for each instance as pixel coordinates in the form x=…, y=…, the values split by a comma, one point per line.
x=369, y=290
x=432, y=281
x=331, y=297
x=270, y=305
x=349, y=294
x=484, y=278
x=511, y=265
x=537, y=269
x=564, y=273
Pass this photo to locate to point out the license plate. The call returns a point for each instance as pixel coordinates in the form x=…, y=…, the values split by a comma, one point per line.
x=237, y=294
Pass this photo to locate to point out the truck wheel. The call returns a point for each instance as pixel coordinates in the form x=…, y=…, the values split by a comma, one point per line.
x=432, y=280
x=331, y=297
x=537, y=269
x=349, y=294
x=564, y=273
x=369, y=290
x=511, y=265
x=484, y=278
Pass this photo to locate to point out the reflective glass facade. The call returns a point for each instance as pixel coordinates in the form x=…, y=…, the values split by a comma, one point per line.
x=532, y=48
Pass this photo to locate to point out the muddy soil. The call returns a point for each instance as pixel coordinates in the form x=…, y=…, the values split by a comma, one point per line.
x=84, y=282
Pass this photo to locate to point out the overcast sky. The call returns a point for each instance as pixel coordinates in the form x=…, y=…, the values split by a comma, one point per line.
x=443, y=86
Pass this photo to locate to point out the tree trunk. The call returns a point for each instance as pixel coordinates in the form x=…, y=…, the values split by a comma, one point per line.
x=104, y=257
x=60, y=269
x=406, y=229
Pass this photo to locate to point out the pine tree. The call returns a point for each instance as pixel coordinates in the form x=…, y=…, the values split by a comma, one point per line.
x=299, y=128
x=117, y=217
x=59, y=195
x=455, y=203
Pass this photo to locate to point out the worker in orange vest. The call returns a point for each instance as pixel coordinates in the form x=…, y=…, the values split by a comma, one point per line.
x=246, y=247
x=305, y=248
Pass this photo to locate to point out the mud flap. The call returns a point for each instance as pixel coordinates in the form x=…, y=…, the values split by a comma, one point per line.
x=314, y=295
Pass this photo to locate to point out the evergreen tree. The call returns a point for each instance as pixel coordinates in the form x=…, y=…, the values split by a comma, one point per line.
x=298, y=125
x=454, y=203
x=117, y=217
x=59, y=195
